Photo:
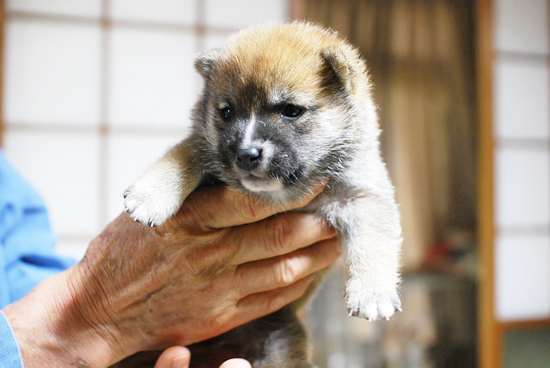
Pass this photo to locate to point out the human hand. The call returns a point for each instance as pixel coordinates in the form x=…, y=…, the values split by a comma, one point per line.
x=222, y=261
x=179, y=357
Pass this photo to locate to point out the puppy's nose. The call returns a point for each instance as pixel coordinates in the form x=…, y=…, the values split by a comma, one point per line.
x=249, y=158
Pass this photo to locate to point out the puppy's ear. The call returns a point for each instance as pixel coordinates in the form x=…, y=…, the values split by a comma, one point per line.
x=205, y=60
x=338, y=72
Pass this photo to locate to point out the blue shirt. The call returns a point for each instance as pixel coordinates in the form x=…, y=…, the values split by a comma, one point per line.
x=26, y=251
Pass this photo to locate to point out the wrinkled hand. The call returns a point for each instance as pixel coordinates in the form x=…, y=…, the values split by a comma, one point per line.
x=202, y=273
x=222, y=261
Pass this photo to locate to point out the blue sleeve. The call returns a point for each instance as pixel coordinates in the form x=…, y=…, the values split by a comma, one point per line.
x=26, y=240
x=10, y=357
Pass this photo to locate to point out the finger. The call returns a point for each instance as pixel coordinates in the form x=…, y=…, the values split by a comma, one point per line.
x=261, y=304
x=236, y=363
x=174, y=357
x=220, y=207
x=277, y=272
x=276, y=236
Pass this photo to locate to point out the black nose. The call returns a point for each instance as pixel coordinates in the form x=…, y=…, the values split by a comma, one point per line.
x=249, y=158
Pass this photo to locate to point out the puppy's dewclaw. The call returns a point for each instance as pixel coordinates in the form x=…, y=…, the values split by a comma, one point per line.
x=282, y=107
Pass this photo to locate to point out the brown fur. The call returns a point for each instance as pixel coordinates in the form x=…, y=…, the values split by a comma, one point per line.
x=255, y=77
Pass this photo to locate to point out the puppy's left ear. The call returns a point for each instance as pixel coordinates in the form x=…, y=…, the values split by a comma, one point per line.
x=205, y=60
x=342, y=66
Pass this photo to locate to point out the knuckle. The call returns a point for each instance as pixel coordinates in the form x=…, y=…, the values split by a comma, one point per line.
x=193, y=217
x=220, y=317
x=332, y=250
x=208, y=262
x=286, y=295
x=280, y=235
x=289, y=271
x=250, y=208
x=275, y=303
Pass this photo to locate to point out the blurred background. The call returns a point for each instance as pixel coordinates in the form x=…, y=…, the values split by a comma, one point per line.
x=93, y=91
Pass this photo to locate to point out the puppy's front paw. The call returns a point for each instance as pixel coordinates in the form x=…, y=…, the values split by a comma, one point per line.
x=151, y=203
x=372, y=304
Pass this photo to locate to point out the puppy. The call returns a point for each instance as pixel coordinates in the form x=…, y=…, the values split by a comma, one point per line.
x=282, y=107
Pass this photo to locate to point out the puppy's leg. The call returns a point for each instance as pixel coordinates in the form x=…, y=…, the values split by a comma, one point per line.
x=159, y=193
x=372, y=245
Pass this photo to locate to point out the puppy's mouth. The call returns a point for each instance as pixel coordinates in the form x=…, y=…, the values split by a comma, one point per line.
x=259, y=183
x=258, y=169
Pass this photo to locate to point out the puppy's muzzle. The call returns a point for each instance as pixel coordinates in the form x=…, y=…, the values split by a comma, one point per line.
x=249, y=158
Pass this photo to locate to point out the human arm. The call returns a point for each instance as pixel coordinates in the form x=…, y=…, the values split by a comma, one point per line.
x=26, y=240
x=222, y=261
x=10, y=356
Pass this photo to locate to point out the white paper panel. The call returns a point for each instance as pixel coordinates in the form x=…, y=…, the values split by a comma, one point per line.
x=64, y=169
x=244, y=13
x=52, y=73
x=152, y=78
x=215, y=41
x=522, y=26
x=130, y=155
x=522, y=99
x=522, y=188
x=74, y=249
x=167, y=11
x=522, y=278
x=86, y=8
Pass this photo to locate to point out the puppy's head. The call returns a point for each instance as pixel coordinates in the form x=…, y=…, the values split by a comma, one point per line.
x=282, y=107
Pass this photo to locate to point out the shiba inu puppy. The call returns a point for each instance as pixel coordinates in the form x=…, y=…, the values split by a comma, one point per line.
x=282, y=107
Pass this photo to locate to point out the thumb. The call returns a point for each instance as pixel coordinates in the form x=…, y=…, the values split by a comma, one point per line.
x=235, y=363
x=174, y=357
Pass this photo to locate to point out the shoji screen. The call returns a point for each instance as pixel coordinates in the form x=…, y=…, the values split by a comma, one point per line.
x=95, y=90
x=521, y=75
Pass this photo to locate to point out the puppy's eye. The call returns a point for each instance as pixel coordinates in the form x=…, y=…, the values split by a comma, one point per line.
x=226, y=113
x=292, y=111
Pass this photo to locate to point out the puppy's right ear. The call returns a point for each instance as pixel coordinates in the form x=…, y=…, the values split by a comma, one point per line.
x=205, y=60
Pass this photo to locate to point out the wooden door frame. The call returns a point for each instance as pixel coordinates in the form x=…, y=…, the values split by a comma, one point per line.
x=490, y=343
x=491, y=331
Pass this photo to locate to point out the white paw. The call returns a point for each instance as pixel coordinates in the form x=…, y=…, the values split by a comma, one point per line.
x=372, y=304
x=150, y=202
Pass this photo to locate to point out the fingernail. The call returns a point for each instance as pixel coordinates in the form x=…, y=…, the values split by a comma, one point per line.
x=181, y=361
x=321, y=183
x=329, y=229
x=310, y=278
